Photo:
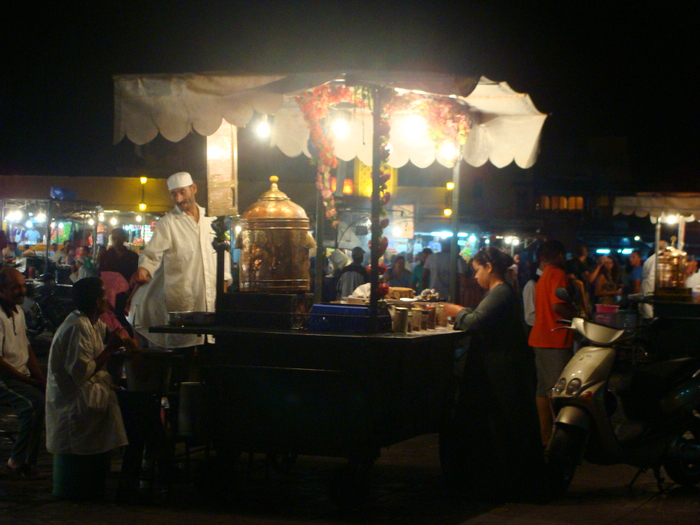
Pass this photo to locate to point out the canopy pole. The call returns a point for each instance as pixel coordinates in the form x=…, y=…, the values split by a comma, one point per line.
x=377, y=108
x=454, y=247
x=320, y=255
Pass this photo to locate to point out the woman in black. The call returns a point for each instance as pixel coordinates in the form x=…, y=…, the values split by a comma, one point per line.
x=495, y=438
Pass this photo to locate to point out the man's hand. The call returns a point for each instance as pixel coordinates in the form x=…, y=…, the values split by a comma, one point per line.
x=141, y=276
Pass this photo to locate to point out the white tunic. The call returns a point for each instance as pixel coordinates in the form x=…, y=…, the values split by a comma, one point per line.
x=69, y=428
x=14, y=345
x=182, y=261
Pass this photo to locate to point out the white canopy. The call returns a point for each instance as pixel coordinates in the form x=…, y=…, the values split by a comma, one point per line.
x=660, y=205
x=506, y=125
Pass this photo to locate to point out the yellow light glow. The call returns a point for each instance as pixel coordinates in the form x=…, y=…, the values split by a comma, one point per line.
x=672, y=219
x=143, y=180
x=142, y=206
x=450, y=186
x=415, y=125
x=447, y=153
x=340, y=128
x=263, y=129
x=447, y=212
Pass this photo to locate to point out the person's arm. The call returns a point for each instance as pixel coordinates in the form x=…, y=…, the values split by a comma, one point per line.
x=636, y=285
x=152, y=255
x=529, y=302
x=488, y=313
x=592, y=276
x=34, y=368
x=10, y=372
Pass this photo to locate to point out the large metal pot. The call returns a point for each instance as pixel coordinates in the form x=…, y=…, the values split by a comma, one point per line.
x=274, y=243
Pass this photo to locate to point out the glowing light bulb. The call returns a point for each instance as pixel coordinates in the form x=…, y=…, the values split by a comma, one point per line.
x=143, y=180
x=672, y=219
x=28, y=224
x=340, y=128
x=142, y=206
x=447, y=212
x=415, y=125
x=396, y=231
x=91, y=222
x=139, y=218
x=113, y=221
x=447, y=152
x=263, y=129
x=101, y=217
x=450, y=186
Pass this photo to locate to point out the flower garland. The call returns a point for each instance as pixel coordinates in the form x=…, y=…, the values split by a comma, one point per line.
x=447, y=120
x=314, y=106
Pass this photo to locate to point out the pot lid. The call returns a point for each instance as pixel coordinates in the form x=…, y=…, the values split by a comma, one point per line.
x=274, y=204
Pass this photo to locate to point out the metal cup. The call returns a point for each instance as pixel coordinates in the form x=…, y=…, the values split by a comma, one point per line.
x=401, y=320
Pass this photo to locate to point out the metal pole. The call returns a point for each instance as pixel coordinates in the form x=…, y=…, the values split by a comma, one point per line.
x=320, y=255
x=454, y=247
x=376, y=231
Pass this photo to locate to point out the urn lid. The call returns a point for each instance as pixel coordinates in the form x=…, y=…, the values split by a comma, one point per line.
x=274, y=204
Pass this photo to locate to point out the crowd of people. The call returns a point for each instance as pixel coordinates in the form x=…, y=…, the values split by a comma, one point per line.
x=77, y=402
x=508, y=308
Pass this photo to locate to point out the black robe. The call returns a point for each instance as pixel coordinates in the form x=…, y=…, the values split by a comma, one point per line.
x=503, y=456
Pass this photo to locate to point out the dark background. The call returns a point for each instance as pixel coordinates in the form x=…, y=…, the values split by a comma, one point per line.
x=614, y=69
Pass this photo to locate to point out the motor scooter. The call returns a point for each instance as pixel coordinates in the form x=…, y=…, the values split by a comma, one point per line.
x=614, y=405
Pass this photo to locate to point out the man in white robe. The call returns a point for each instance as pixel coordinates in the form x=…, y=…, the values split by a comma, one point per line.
x=177, y=270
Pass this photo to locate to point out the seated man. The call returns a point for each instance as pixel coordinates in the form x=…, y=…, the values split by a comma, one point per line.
x=21, y=382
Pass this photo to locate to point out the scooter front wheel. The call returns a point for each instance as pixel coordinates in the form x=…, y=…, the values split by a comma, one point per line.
x=683, y=461
x=564, y=453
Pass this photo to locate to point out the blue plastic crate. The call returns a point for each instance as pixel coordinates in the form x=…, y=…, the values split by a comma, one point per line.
x=342, y=318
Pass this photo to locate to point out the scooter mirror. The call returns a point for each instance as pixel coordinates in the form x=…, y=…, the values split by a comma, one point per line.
x=563, y=294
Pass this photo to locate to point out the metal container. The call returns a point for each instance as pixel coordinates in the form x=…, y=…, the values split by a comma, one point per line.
x=671, y=269
x=274, y=243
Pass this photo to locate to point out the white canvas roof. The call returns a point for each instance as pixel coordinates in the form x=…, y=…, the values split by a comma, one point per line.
x=660, y=205
x=506, y=125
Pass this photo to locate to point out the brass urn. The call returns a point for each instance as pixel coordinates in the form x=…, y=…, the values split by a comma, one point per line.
x=274, y=243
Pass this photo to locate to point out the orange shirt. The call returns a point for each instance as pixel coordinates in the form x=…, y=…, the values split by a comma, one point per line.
x=541, y=335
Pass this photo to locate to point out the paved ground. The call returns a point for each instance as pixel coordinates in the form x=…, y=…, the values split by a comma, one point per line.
x=405, y=488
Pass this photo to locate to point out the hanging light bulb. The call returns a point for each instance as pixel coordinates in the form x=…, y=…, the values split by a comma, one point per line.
x=91, y=222
x=447, y=212
x=263, y=129
x=340, y=128
x=142, y=206
x=143, y=180
x=113, y=221
x=139, y=218
x=450, y=186
x=415, y=125
x=447, y=153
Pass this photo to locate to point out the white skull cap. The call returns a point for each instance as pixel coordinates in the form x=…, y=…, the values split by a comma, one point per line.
x=179, y=180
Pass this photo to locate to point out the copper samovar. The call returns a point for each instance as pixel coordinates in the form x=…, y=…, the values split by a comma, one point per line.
x=274, y=243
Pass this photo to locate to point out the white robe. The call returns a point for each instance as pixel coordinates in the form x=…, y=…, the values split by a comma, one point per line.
x=182, y=261
x=69, y=428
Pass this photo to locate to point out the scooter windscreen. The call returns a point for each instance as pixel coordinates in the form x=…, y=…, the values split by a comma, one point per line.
x=598, y=334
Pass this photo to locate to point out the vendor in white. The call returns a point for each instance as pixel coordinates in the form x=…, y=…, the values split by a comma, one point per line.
x=177, y=270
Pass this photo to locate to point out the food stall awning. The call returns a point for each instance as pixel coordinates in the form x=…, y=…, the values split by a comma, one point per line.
x=505, y=126
x=658, y=205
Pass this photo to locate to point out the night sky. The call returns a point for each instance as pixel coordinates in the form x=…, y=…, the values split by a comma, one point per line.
x=599, y=69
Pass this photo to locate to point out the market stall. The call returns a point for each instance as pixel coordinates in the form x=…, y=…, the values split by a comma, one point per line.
x=672, y=301
x=281, y=386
